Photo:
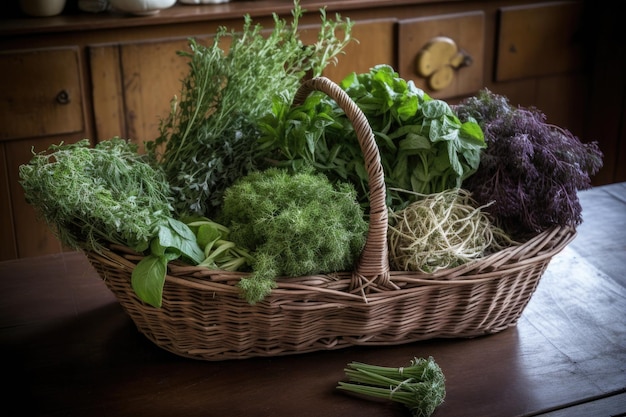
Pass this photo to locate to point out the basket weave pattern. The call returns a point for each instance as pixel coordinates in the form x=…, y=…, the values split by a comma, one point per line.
x=204, y=317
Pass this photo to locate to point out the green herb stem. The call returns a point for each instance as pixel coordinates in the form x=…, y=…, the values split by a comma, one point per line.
x=420, y=386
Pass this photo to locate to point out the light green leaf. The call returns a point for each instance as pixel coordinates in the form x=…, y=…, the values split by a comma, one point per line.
x=207, y=234
x=148, y=278
x=472, y=132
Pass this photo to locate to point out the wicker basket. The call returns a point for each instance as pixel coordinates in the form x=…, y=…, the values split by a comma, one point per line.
x=204, y=317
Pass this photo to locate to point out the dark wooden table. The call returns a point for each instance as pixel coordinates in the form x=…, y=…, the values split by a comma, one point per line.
x=69, y=349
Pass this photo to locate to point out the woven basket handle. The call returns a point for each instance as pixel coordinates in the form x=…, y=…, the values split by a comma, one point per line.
x=372, y=269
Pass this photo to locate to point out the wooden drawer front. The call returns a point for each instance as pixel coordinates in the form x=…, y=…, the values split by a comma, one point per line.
x=40, y=93
x=466, y=30
x=538, y=40
x=374, y=46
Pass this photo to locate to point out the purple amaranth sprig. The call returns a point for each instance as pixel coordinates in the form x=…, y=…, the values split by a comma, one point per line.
x=531, y=170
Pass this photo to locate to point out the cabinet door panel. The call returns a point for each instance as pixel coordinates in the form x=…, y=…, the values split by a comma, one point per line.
x=558, y=97
x=8, y=249
x=133, y=85
x=40, y=93
x=466, y=30
x=152, y=74
x=108, y=103
x=33, y=236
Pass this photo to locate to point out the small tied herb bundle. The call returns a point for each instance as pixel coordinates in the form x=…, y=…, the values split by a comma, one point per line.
x=530, y=170
x=420, y=386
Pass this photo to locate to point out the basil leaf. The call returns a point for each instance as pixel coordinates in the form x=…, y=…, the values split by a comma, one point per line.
x=148, y=278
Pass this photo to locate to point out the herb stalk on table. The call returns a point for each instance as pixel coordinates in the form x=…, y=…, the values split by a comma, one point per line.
x=420, y=386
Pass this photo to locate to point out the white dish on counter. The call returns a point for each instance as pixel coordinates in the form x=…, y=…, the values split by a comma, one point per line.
x=141, y=7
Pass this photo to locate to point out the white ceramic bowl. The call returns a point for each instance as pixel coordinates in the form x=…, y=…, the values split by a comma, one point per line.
x=42, y=8
x=141, y=7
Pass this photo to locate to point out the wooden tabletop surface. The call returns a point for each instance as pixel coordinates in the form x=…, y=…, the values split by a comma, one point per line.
x=70, y=350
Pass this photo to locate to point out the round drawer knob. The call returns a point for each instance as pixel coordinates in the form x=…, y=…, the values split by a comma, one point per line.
x=437, y=61
x=63, y=97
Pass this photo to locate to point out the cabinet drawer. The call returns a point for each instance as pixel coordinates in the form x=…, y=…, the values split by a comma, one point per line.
x=374, y=46
x=40, y=93
x=539, y=40
x=443, y=74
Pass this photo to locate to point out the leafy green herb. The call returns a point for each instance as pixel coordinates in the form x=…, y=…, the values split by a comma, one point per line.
x=219, y=252
x=531, y=170
x=173, y=240
x=210, y=136
x=293, y=225
x=94, y=196
x=420, y=386
x=424, y=147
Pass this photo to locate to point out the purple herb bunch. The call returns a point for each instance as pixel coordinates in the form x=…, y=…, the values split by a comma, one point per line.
x=530, y=170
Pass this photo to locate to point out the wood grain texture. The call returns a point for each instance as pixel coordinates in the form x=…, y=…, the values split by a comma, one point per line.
x=8, y=249
x=34, y=237
x=49, y=100
x=107, y=91
x=151, y=75
x=538, y=40
x=374, y=46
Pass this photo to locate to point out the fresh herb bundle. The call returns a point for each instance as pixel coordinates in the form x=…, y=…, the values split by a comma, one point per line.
x=423, y=145
x=209, y=139
x=96, y=195
x=531, y=170
x=420, y=386
x=293, y=225
x=219, y=252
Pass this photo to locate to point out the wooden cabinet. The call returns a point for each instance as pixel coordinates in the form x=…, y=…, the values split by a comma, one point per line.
x=41, y=103
x=102, y=75
x=133, y=84
x=41, y=93
x=539, y=40
x=443, y=54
